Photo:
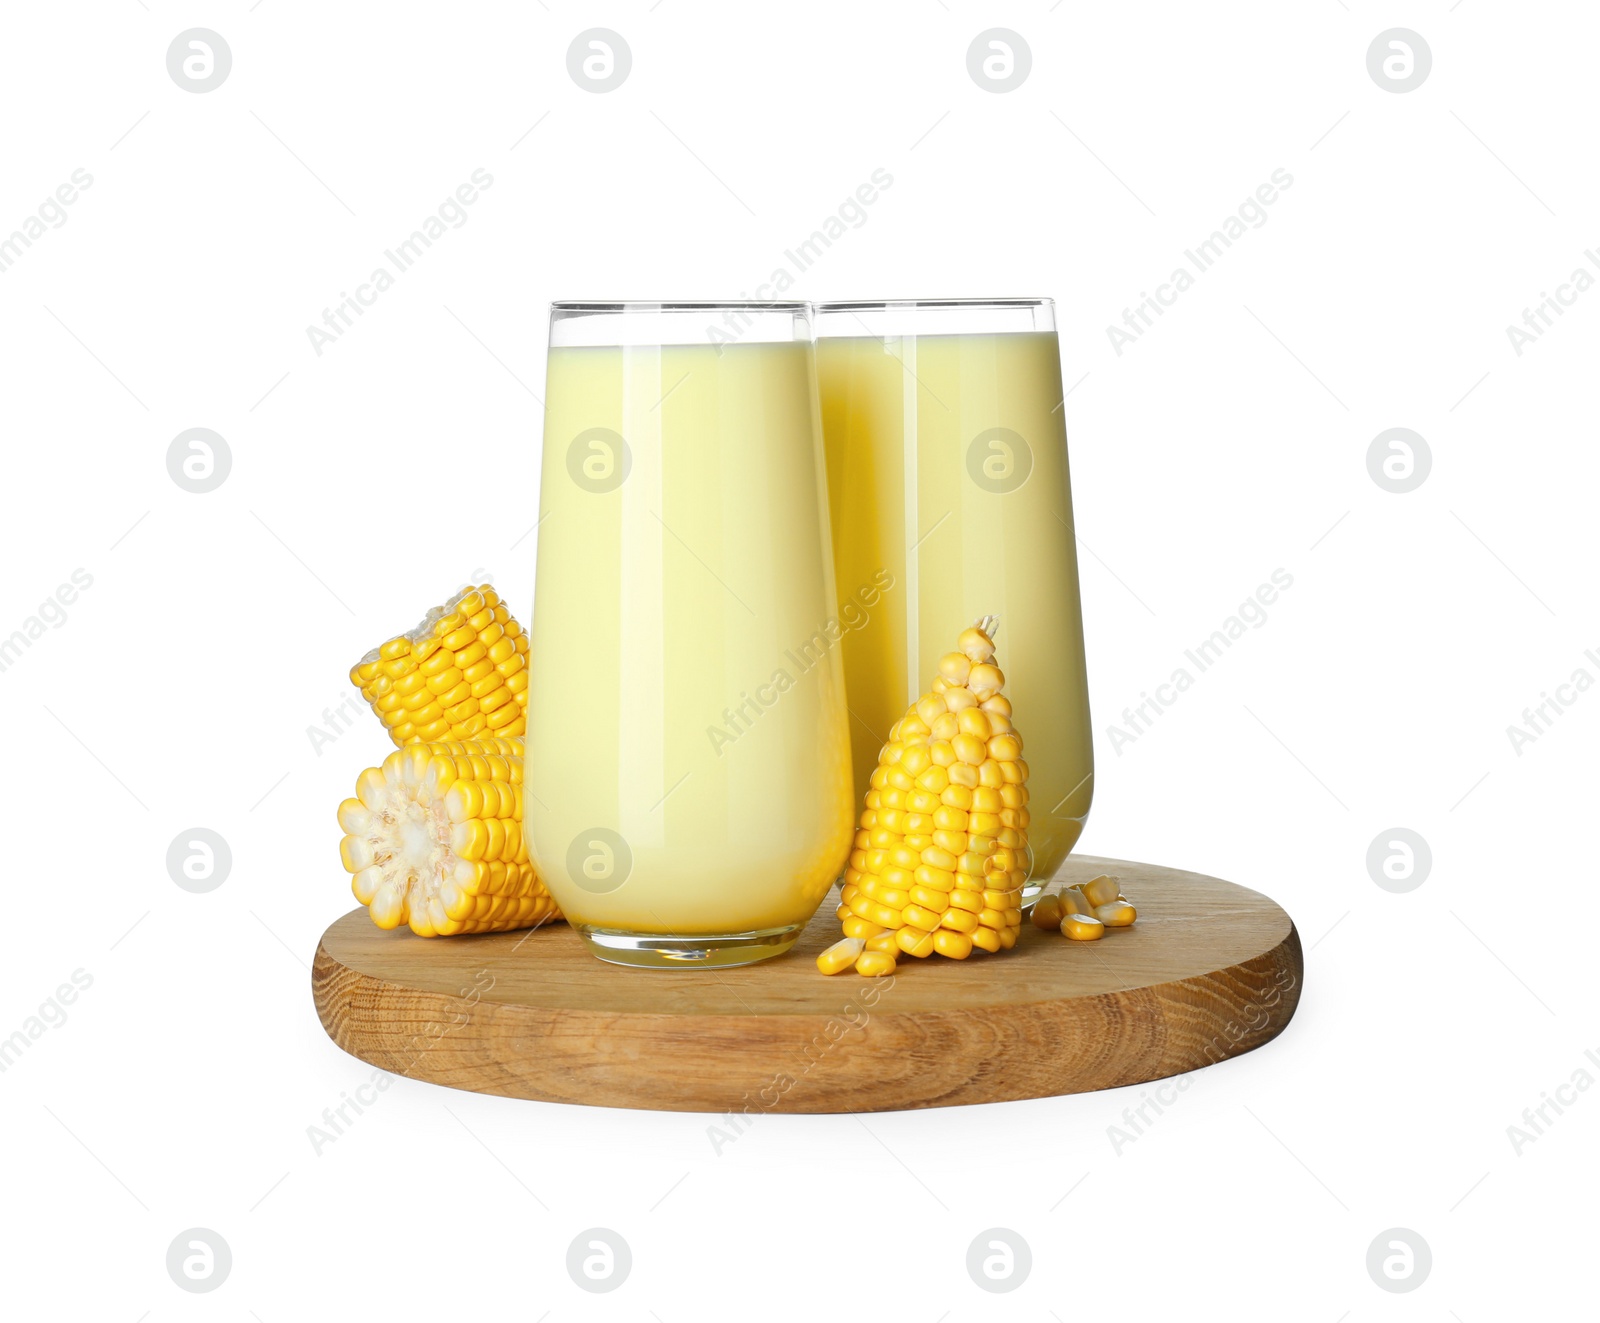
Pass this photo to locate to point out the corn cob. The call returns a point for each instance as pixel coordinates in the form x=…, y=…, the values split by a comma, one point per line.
x=942, y=851
x=434, y=839
x=460, y=674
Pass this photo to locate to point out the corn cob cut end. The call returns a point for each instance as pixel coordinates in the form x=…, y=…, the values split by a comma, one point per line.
x=433, y=839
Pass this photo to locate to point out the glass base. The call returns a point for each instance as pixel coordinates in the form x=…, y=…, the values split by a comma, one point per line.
x=696, y=951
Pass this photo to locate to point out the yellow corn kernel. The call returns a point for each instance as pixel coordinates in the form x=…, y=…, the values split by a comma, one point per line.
x=1082, y=928
x=841, y=955
x=434, y=839
x=451, y=677
x=1005, y=748
x=919, y=917
x=1101, y=890
x=914, y=942
x=956, y=797
x=887, y=917
x=974, y=721
x=986, y=939
x=970, y=749
x=887, y=940
x=958, y=946
x=875, y=964
x=1116, y=914
x=985, y=680
x=1047, y=912
x=977, y=643
x=1073, y=901
x=855, y=927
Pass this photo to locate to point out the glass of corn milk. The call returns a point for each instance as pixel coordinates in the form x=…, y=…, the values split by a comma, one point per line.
x=947, y=476
x=687, y=788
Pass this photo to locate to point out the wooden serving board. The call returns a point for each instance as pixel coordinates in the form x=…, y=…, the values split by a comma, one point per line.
x=1209, y=971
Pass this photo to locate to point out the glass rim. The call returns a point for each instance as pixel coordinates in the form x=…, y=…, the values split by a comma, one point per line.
x=862, y=305
x=677, y=305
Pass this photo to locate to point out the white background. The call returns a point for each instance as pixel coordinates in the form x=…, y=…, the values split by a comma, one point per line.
x=1229, y=441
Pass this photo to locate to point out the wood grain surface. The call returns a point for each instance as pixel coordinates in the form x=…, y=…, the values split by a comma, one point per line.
x=1210, y=970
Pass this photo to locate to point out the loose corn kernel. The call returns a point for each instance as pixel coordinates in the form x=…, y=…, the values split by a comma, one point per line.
x=941, y=852
x=1101, y=890
x=434, y=839
x=1082, y=927
x=875, y=964
x=1117, y=914
x=841, y=955
x=1073, y=901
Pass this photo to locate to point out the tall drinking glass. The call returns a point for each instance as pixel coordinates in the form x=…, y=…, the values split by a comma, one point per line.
x=687, y=785
x=947, y=480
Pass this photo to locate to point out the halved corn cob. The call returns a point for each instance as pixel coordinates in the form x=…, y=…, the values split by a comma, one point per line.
x=434, y=839
x=461, y=673
x=942, y=852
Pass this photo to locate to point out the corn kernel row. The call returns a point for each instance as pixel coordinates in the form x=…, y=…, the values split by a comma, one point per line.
x=434, y=839
x=460, y=674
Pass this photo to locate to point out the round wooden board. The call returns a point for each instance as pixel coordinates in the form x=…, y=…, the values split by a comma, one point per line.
x=1210, y=970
